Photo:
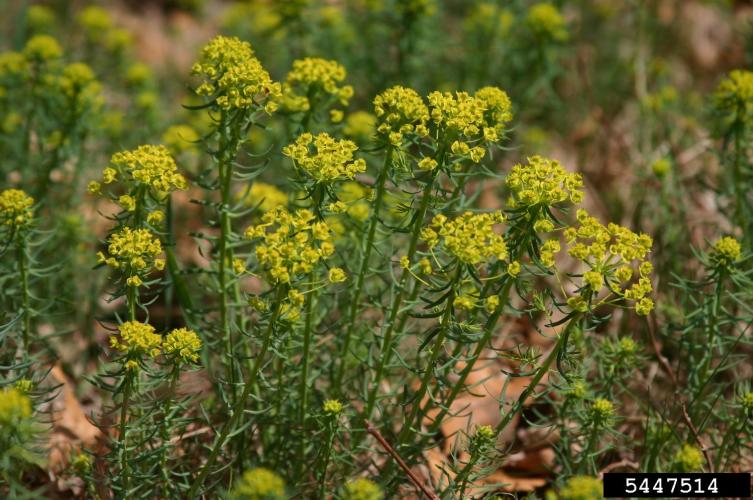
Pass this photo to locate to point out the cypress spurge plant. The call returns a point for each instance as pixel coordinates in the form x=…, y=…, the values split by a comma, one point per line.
x=237, y=92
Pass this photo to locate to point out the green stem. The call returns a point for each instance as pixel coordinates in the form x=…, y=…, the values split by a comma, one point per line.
x=480, y=346
x=544, y=368
x=24, y=272
x=386, y=347
x=122, y=436
x=414, y=420
x=327, y=454
x=237, y=410
x=355, y=299
x=166, y=429
x=304, y=386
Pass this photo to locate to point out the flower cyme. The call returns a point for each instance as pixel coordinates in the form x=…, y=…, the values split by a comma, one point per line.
x=582, y=488
x=400, y=112
x=544, y=183
x=148, y=164
x=362, y=489
x=233, y=76
x=733, y=98
x=547, y=22
x=15, y=207
x=259, y=484
x=183, y=344
x=469, y=237
x=315, y=78
x=726, y=251
x=15, y=406
x=324, y=158
x=137, y=338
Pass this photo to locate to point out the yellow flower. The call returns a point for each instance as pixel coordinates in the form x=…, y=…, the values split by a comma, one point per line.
x=42, y=48
x=137, y=338
x=404, y=262
x=360, y=126
x=546, y=21
x=134, y=281
x=95, y=22
x=543, y=182
x=464, y=302
x=582, y=488
x=239, y=266
x=332, y=407
x=362, y=489
x=155, y=217
x=149, y=165
x=311, y=77
x=132, y=248
x=291, y=245
x=337, y=275
x=602, y=410
x=184, y=344
x=611, y=253
x=15, y=207
x=425, y=265
x=513, y=268
x=733, y=98
x=469, y=237
x=726, y=251
x=138, y=74
x=234, y=77
x=689, y=458
x=324, y=158
x=15, y=407
x=427, y=163
x=492, y=302
x=400, y=113
x=127, y=202
x=259, y=484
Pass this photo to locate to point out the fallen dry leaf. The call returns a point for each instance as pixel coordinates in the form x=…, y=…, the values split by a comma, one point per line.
x=71, y=428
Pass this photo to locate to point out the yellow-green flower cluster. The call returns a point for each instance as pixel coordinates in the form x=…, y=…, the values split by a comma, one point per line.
x=582, y=488
x=469, y=118
x=137, y=339
x=78, y=83
x=487, y=17
x=234, y=77
x=400, y=112
x=15, y=406
x=266, y=196
x=95, y=22
x=291, y=244
x=601, y=411
x=15, y=207
x=42, y=48
x=733, y=98
x=135, y=251
x=324, y=158
x=259, y=484
x=13, y=65
x=310, y=78
x=362, y=489
x=611, y=253
x=360, y=125
x=546, y=21
x=332, y=407
x=40, y=18
x=542, y=182
x=469, y=237
x=151, y=165
x=689, y=458
x=726, y=251
x=183, y=344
